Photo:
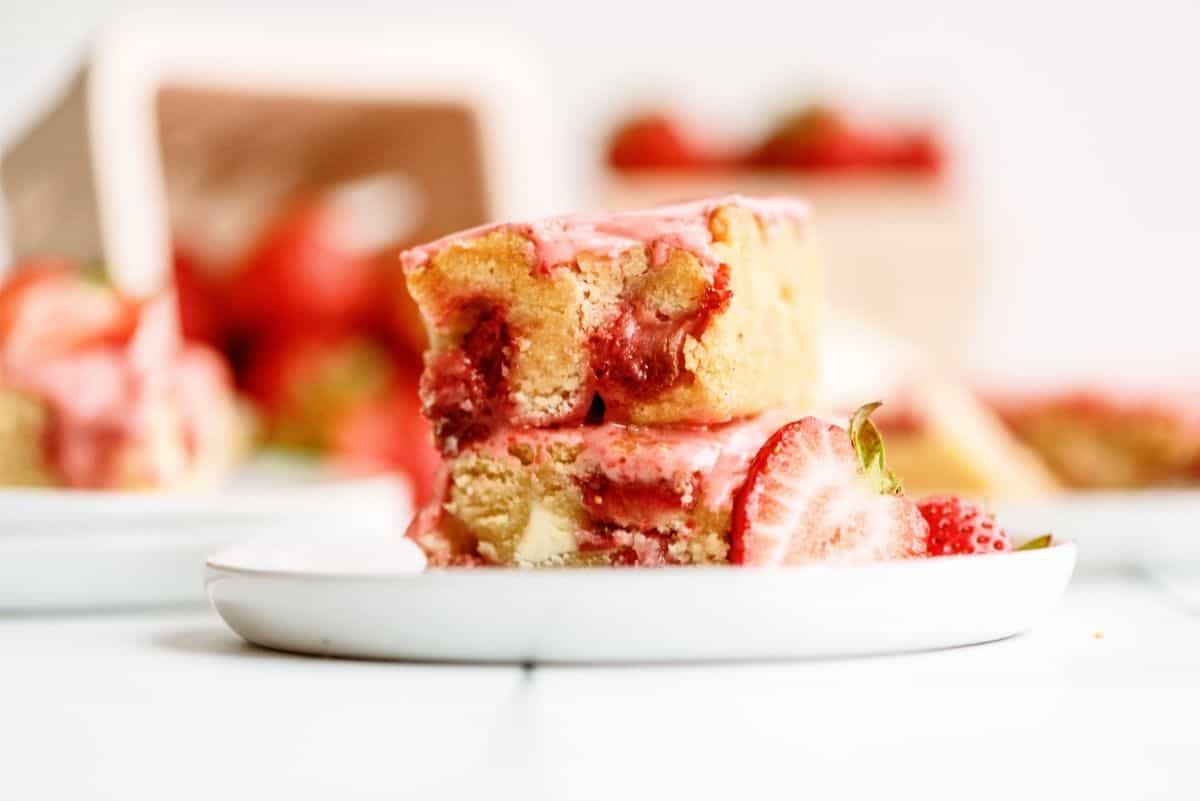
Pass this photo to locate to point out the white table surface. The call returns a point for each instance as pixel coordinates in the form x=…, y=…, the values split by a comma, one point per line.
x=171, y=705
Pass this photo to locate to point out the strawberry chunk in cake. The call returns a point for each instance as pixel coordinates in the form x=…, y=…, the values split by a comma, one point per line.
x=691, y=314
x=99, y=392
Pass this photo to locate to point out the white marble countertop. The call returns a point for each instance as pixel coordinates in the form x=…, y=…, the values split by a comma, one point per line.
x=1101, y=701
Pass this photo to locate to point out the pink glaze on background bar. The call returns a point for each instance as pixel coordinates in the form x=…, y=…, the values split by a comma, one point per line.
x=103, y=398
x=560, y=240
x=1179, y=404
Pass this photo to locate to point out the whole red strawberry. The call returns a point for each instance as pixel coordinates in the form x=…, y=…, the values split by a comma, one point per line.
x=823, y=138
x=957, y=526
x=916, y=151
x=308, y=269
x=817, y=138
x=303, y=382
x=657, y=142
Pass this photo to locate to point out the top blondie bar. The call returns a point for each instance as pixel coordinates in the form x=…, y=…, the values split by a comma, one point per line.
x=689, y=314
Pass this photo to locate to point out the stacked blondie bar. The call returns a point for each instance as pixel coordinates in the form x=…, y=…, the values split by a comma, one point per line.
x=599, y=385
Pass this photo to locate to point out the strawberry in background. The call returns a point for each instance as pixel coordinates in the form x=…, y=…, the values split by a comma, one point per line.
x=918, y=151
x=823, y=138
x=349, y=396
x=307, y=268
x=656, y=141
x=817, y=138
x=201, y=298
x=304, y=381
x=320, y=328
x=317, y=263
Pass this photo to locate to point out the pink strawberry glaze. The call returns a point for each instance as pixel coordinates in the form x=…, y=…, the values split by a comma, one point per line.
x=559, y=240
x=1105, y=404
x=103, y=398
x=641, y=455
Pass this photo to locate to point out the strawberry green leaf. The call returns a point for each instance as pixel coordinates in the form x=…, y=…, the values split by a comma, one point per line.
x=94, y=273
x=868, y=447
x=1036, y=543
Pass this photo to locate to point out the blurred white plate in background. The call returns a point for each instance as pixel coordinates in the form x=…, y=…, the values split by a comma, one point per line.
x=377, y=603
x=72, y=549
x=1140, y=528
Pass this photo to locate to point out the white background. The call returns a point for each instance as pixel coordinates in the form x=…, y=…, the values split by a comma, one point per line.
x=1078, y=126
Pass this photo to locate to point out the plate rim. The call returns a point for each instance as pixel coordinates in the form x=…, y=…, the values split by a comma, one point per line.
x=386, y=618
x=214, y=570
x=58, y=512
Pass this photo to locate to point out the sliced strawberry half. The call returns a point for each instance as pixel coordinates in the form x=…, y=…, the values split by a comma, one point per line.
x=816, y=492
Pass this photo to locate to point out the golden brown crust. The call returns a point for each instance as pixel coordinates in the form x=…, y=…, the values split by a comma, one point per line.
x=761, y=352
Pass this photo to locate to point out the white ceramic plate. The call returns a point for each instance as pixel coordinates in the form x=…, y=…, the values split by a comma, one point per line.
x=70, y=549
x=377, y=603
x=1146, y=528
